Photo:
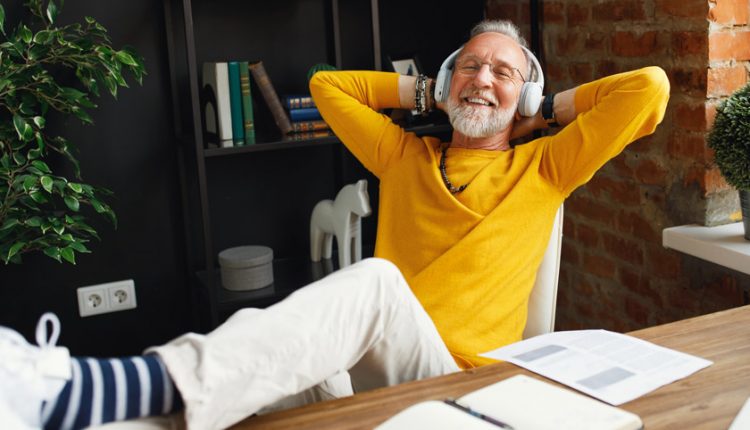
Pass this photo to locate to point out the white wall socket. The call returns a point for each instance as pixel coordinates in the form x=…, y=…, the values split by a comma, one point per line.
x=104, y=298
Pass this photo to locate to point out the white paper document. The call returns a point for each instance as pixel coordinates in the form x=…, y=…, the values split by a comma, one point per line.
x=611, y=367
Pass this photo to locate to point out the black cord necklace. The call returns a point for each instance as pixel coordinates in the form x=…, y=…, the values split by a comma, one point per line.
x=444, y=174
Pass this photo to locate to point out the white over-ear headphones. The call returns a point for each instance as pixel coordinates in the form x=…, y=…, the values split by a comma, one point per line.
x=531, y=92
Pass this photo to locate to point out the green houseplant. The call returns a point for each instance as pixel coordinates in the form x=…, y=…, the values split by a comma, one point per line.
x=49, y=69
x=730, y=139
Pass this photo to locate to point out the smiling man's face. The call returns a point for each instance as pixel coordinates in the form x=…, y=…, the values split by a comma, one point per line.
x=486, y=84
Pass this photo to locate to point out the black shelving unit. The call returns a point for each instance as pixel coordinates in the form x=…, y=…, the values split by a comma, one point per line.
x=263, y=193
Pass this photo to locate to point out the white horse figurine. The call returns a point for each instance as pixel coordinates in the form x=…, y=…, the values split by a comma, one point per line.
x=342, y=218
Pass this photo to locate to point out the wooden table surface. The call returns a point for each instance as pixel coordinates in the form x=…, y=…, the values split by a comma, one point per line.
x=709, y=399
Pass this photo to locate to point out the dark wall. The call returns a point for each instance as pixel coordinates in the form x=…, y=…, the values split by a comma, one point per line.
x=130, y=150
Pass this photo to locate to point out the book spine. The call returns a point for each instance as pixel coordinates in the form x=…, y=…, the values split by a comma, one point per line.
x=309, y=126
x=216, y=82
x=307, y=114
x=248, y=123
x=298, y=102
x=272, y=99
x=235, y=97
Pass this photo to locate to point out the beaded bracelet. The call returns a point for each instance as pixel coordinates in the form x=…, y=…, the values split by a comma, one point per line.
x=420, y=97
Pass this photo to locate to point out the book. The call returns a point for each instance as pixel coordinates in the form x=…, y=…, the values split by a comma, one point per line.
x=248, y=122
x=217, y=112
x=519, y=402
x=298, y=101
x=304, y=114
x=300, y=126
x=307, y=135
x=235, y=99
x=270, y=96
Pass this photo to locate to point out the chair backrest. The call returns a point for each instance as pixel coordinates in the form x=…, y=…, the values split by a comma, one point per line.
x=543, y=299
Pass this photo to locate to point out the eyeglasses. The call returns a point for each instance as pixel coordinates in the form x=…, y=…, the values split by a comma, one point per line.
x=470, y=66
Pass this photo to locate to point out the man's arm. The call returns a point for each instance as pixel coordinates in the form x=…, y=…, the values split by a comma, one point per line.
x=564, y=107
x=607, y=115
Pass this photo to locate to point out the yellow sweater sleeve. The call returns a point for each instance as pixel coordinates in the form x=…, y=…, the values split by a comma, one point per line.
x=349, y=103
x=614, y=111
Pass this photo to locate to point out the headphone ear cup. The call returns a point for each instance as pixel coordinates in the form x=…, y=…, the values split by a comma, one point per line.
x=530, y=99
x=442, y=85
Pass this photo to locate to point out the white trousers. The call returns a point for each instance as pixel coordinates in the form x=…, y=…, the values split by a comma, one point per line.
x=363, y=319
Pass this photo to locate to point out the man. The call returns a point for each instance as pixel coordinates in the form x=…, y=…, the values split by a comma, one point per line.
x=465, y=222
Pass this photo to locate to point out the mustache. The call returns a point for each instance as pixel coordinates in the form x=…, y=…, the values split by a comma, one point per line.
x=476, y=92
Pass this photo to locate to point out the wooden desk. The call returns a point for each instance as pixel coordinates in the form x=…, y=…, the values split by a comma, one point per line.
x=709, y=399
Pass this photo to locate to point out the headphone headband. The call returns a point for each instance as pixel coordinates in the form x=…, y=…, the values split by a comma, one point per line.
x=531, y=91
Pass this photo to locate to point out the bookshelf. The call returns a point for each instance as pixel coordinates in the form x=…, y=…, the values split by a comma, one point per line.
x=263, y=194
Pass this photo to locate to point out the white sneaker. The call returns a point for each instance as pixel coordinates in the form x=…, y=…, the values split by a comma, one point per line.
x=30, y=375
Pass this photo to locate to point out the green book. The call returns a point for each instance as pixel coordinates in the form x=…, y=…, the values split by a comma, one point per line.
x=247, y=104
x=235, y=100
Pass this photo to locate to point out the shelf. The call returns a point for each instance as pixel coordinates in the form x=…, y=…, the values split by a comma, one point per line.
x=420, y=130
x=723, y=245
x=289, y=275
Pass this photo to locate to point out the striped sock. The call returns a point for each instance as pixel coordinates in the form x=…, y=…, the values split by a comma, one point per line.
x=104, y=390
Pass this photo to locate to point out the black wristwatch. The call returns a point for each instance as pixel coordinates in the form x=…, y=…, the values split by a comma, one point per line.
x=548, y=111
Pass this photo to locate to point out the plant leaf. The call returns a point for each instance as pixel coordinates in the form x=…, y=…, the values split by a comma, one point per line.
x=25, y=34
x=14, y=249
x=41, y=165
x=125, y=58
x=52, y=12
x=39, y=121
x=47, y=183
x=72, y=203
x=77, y=188
x=2, y=19
x=78, y=246
x=68, y=254
x=10, y=222
x=53, y=252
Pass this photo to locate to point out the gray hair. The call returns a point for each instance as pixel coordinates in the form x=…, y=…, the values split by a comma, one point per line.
x=500, y=26
x=506, y=28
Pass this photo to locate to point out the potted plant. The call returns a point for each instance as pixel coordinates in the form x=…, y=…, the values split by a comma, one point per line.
x=48, y=69
x=730, y=139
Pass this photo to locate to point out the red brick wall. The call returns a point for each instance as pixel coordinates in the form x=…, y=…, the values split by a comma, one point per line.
x=615, y=273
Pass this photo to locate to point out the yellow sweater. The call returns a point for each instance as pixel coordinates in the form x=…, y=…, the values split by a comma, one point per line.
x=471, y=259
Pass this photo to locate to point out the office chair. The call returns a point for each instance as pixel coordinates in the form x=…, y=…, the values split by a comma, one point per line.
x=543, y=299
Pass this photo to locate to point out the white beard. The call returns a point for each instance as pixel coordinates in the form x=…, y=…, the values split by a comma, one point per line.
x=475, y=121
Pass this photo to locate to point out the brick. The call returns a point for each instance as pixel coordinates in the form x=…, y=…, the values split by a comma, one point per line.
x=623, y=249
x=621, y=166
x=587, y=236
x=650, y=172
x=729, y=12
x=630, y=44
x=729, y=46
x=554, y=13
x=663, y=263
x=619, y=10
x=691, y=81
x=637, y=312
x=503, y=10
x=606, y=68
x=682, y=8
x=710, y=115
x=634, y=224
x=618, y=190
x=690, y=117
x=577, y=14
x=639, y=284
x=689, y=146
x=689, y=43
x=567, y=43
x=580, y=72
x=555, y=72
x=724, y=81
x=590, y=209
x=714, y=181
x=595, y=41
x=569, y=253
x=599, y=265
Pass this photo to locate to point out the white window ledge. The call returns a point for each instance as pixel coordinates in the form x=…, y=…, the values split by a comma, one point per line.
x=724, y=244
